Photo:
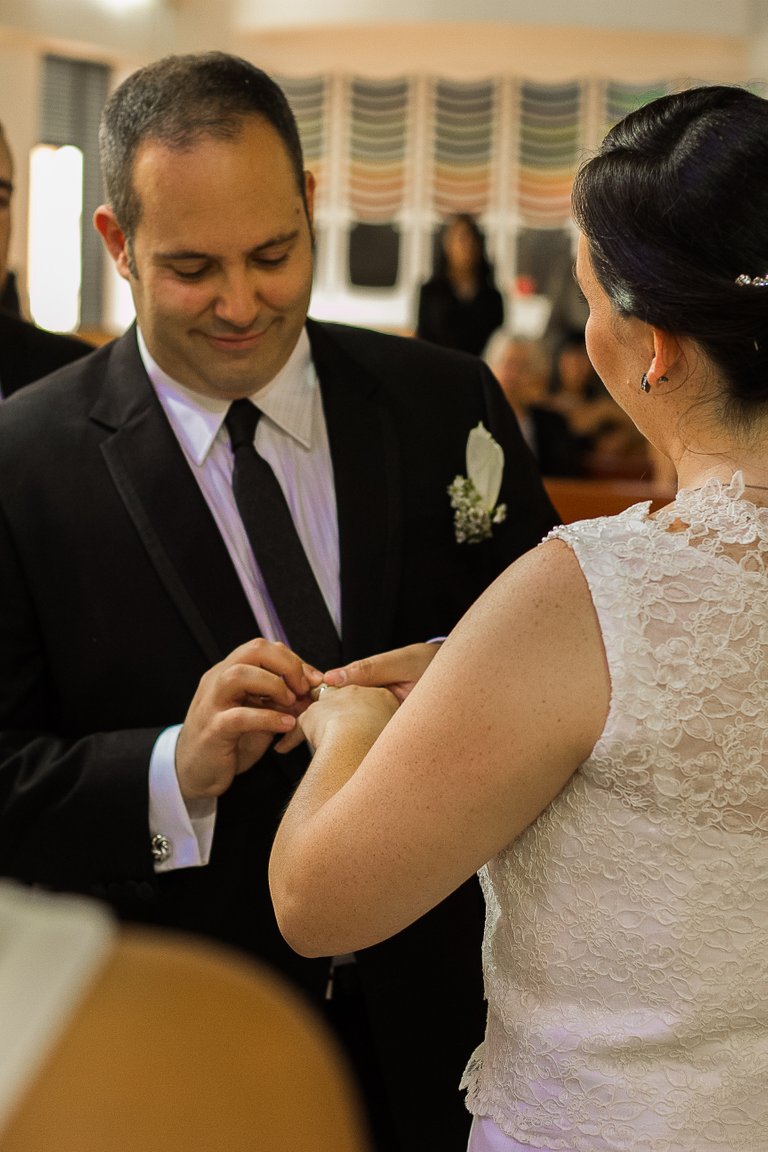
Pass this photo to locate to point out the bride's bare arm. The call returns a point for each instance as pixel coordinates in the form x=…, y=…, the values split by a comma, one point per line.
x=382, y=829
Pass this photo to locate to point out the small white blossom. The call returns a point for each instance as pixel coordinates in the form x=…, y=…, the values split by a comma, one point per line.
x=473, y=497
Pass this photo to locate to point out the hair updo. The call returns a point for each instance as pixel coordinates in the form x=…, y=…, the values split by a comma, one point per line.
x=674, y=207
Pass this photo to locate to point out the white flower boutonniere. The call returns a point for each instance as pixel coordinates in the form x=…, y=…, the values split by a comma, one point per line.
x=474, y=496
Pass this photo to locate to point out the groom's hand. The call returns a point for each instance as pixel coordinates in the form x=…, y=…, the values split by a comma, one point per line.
x=397, y=670
x=238, y=708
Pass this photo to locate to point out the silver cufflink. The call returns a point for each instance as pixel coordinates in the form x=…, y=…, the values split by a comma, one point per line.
x=162, y=849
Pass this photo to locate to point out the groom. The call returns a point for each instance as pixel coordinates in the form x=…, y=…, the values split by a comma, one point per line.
x=144, y=665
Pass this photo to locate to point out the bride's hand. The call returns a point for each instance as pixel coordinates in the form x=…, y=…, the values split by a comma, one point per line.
x=362, y=711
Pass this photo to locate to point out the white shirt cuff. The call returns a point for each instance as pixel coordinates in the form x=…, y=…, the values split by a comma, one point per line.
x=185, y=826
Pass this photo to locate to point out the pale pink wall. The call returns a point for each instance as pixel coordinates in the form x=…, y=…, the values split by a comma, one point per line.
x=473, y=50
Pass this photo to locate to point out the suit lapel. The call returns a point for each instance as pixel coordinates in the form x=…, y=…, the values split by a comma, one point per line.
x=154, y=481
x=167, y=507
x=368, y=493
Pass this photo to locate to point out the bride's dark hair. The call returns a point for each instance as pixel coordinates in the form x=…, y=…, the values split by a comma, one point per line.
x=674, y=207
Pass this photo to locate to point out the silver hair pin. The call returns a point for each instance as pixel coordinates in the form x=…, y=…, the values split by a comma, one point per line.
x=752, y=281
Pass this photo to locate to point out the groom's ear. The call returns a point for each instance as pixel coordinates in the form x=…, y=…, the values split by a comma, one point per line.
x=115, y=242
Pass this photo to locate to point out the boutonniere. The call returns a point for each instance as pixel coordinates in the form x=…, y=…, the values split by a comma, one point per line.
x=474, y=496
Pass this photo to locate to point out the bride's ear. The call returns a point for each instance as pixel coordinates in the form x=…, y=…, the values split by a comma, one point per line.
x=667, y=353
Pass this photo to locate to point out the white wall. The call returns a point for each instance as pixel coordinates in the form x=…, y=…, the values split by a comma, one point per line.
x=463, y=51
x=96, y=27
x=714, y=17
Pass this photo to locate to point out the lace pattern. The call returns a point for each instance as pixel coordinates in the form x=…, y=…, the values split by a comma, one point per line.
x=627, y=929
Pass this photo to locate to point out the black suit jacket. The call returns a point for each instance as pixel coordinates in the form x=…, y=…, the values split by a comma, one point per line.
x=28, y=352
x=118, y=594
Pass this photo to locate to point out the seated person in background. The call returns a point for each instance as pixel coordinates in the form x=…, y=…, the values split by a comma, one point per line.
x=26, y=352
x=592, y=736
x=460, y=306
x=96, y=1056
x=522, y=368
x=605, y=436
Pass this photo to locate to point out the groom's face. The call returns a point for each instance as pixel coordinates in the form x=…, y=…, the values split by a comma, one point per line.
x=220, y=266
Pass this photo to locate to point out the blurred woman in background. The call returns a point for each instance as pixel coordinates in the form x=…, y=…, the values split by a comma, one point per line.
x=460, y=306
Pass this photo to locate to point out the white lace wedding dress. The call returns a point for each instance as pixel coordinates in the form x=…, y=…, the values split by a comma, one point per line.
x=626, y=942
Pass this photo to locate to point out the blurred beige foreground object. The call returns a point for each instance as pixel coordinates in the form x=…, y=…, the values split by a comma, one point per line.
x=166, y=1043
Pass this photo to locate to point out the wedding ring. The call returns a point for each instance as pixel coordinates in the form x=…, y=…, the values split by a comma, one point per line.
x=325, y=688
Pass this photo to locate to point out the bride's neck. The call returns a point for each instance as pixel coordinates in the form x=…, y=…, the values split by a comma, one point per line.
x=694, y=473
x=721, y=455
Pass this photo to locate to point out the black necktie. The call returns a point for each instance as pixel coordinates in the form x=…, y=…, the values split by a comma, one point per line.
x=276, y=545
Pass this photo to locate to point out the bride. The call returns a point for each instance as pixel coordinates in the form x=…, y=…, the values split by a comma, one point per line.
x=593, y=736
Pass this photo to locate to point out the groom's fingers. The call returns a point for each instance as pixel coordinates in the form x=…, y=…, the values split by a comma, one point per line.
x=399, y=667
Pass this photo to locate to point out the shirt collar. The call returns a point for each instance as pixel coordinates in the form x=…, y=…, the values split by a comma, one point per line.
x=196, y=419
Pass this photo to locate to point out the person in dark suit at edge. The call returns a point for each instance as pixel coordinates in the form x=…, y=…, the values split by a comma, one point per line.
x=26, y=351
x=147, y=679
x=9, y=294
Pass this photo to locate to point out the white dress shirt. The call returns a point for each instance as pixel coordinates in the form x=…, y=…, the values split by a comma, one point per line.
x=292, y=436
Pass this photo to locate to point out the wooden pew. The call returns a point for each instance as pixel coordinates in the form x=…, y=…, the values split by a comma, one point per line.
x=583, y=499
